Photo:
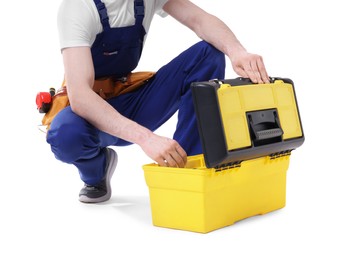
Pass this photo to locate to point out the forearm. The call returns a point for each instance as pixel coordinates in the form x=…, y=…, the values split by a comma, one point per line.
x=79, y=74
x=213, y=30
x=207, y=26
x=100, y=114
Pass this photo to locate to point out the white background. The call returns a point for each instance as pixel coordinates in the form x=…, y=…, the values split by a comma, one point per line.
x=41, y=217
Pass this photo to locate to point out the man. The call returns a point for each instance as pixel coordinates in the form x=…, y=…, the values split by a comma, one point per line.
x=100, y=39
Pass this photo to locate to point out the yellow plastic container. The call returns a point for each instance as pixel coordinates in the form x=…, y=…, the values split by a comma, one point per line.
x=200, y=199
x=247, y=133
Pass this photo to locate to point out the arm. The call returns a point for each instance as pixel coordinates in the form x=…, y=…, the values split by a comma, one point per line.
x=79, y=75
x=213, y=30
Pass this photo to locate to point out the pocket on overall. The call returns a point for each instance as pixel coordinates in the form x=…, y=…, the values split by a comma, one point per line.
x=119, y=58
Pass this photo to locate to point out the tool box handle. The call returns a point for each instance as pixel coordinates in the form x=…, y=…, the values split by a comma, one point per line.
x=265, y=127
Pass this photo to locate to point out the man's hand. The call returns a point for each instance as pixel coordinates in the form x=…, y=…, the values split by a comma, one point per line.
x=250, y=66
x=164, y=151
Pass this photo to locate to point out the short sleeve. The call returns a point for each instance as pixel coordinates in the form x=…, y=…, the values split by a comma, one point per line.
x=76, y=24
x=158, y=7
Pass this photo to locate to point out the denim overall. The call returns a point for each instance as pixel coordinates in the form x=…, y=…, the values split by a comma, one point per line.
x=116, y=51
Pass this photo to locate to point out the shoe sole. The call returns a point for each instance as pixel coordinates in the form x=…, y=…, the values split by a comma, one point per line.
x=112, y=159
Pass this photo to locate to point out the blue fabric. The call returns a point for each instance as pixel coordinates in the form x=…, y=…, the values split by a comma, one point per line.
x=117, y=51
x=74, y=140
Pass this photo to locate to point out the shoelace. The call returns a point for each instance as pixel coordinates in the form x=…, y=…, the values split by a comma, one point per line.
x=90, y=187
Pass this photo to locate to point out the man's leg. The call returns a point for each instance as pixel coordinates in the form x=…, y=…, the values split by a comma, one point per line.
x=73, y=140
x=169, y=91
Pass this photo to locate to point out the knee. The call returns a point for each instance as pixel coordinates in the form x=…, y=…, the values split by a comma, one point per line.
x=211, y=53
x=70, y=139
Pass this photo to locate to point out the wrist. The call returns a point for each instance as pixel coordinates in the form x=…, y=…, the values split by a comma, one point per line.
x=142, y=136
x=232, y=50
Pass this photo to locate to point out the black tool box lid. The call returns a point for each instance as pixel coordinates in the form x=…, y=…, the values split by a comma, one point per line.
x=239, y=120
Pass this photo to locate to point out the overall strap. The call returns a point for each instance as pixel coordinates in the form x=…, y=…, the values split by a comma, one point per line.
x=104, y=19
x=139, y=11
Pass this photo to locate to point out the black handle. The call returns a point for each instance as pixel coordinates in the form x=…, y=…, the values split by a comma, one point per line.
x=264, y=126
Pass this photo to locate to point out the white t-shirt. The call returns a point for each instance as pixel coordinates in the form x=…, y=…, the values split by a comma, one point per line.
x=79, y=23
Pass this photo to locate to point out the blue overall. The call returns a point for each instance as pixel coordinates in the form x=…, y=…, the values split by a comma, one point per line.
x=117, y=51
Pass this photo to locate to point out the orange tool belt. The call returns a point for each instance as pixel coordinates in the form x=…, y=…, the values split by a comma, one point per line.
x=105, y=87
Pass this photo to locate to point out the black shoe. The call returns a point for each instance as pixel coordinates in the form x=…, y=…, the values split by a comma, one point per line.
x=102, y=191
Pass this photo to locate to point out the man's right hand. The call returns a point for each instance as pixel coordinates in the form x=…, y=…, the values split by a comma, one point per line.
x=164, y=151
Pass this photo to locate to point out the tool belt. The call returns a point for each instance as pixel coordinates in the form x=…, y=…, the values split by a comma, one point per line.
x=112, y=87
x=105, y=87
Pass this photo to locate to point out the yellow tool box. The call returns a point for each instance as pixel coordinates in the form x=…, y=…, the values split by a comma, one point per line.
x=247, y=132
